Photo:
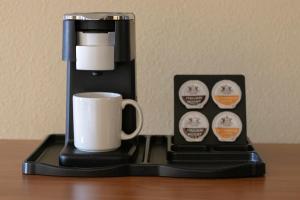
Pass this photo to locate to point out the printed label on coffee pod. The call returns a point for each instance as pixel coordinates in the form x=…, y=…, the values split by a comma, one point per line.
x=193, y=94
x=226, y=94
x=193, y=126
x=227, y=126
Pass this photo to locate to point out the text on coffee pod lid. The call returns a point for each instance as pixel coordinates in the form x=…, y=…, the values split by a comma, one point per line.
x=227, y=126
x=226, y=94
x=193, y=126
x=193, y=94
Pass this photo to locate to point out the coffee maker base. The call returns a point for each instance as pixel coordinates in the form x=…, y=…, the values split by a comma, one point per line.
x=154, y=157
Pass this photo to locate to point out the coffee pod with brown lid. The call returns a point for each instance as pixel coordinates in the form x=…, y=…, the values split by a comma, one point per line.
x=227, y=126
x=193, y=126
x=193, y=94
x=226, y=94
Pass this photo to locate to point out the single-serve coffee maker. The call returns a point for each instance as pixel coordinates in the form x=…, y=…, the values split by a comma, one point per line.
x=99, y=49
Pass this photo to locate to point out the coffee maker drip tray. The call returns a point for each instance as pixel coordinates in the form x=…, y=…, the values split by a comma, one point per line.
x=153, y=156
x=72, y=157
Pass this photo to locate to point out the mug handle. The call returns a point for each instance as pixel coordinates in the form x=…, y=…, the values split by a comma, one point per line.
x=139, y=120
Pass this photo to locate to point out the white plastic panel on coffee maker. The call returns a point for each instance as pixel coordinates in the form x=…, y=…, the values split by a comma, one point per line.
x=95, y=51
x=95, y=58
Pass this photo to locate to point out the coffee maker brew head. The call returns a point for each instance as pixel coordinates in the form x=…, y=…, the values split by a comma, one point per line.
x=96, y=41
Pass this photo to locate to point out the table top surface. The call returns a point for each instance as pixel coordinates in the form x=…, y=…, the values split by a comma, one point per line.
x=282, y=180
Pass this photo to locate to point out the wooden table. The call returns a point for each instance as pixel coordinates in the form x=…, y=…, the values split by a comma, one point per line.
x=282, y=180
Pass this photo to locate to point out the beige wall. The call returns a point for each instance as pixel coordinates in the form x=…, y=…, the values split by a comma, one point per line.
x=259, y=38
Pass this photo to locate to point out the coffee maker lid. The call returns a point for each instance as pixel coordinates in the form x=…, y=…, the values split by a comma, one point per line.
x=99, y=16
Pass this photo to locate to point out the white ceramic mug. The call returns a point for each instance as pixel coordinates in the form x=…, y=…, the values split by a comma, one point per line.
x=97, y=119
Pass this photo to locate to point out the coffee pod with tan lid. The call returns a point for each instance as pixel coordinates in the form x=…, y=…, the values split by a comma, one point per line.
x=227, y=126
x=226, y=94
x=193, y=94
x=193, y=126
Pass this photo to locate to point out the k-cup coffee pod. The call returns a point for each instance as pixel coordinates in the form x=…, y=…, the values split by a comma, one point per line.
x=193, y=94
x=193, y=126
x=227, y=126
x=226, y=94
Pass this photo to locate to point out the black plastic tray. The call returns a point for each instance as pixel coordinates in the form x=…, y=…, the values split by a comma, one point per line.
x=155, y=157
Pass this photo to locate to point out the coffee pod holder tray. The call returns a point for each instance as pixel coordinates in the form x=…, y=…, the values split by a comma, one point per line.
x=158, y=155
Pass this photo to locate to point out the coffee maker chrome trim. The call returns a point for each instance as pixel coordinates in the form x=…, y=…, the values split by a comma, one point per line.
x=99, y=16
